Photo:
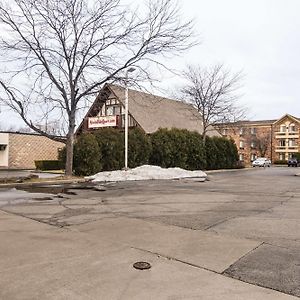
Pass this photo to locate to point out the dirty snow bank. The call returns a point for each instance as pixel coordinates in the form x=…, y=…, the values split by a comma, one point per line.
x=147, y=172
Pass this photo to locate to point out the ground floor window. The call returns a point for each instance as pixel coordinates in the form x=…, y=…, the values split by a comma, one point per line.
x=241, y=157
x=291, y=155
x=282, y=156
x=253, y=156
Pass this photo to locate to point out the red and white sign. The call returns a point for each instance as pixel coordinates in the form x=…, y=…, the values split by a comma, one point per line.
x=107, y=121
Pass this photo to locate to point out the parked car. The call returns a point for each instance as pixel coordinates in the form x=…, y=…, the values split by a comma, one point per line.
x=294, y=162
x=261, y=162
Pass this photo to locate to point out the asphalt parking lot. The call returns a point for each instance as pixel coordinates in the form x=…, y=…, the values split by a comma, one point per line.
x=235, y=236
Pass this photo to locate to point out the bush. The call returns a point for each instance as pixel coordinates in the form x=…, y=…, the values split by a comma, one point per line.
x=62, y=156
x=296, y=155
x=139, y=148
x=87, y=155
x=177, y=148
x=47, y=165
x=111, y=145
x=168, y=148
x=221, y=153
x=196, y=159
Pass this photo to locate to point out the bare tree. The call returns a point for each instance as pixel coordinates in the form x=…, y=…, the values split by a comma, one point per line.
x=262, y=143
x=59, y=53
x=213, y=92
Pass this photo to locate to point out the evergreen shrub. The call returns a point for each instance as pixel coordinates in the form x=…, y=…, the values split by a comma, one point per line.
x=48, y=165
x=139, y=148
x=87, y=155
x=111, y=144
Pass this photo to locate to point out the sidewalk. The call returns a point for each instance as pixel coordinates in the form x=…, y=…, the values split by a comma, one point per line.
x=94, y=261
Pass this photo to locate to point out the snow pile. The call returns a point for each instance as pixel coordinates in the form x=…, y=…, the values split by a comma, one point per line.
x=147, y=172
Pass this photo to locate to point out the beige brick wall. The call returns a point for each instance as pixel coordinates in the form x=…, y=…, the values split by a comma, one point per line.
x=24, y=149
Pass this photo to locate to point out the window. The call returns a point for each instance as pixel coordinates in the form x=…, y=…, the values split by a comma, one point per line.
x=282, y=128
x=241, y=157
x=292, y=143
x=253, y=156
x=225, y=131
x=241, y=144
x=242, y=131
x=253, y=130
x=282, y=143
x=282, y=156
x=253, y=144
x=109, y=110
x=113, y=110
x=292, y=128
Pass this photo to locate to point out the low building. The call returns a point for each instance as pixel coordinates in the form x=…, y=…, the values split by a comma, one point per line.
x=20, y=150
x=277, y=140
x=146, y=111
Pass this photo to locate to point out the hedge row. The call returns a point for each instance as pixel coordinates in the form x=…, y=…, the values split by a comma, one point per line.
x=47, y=165
x=103, y=150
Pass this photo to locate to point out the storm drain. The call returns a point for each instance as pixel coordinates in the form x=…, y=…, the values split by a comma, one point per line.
x=142, y=265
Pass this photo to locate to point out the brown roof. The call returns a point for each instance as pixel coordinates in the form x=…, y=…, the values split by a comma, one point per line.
x=153, y=112
x=259, y=122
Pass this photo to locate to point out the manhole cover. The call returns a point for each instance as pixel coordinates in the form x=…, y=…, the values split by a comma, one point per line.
x=142, y=265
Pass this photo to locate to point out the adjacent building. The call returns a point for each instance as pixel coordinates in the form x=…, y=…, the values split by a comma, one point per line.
x=20, y=150
x=146, y=111
x=276, y=139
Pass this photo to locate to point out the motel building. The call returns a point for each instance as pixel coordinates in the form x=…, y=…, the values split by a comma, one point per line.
x=20, y=150
x=146, y=111
x=277, y=140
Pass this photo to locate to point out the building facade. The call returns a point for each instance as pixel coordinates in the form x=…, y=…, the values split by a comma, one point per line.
x=146, y=111
x=20, y=150
x=277, y=140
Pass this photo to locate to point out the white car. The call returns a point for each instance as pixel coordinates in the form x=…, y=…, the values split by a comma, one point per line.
x=261, y=162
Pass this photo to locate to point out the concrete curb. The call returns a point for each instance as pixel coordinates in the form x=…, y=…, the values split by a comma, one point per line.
x=62, y=181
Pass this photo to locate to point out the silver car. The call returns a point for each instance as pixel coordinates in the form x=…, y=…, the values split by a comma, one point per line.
x=261, y=162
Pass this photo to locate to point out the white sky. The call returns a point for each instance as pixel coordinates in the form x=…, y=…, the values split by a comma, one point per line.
x=259, y=37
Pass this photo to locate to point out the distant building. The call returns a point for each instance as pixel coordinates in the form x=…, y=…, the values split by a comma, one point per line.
x=20, y=150
x=146, y=111
x=275, y=139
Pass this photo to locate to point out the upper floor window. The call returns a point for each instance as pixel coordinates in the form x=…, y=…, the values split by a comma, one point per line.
x=253, y=130
x=112, y=110
x=282, y=143
x=282, y=128
x=292, y=143
x=241, y=144
x=225, y=131
x=242, y=130
x=253, y=144
x=292, y=128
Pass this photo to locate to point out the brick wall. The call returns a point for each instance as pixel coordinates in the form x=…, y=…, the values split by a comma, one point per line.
x=24, y=149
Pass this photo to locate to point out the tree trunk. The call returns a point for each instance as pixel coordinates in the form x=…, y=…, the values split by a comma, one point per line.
x=70, y=149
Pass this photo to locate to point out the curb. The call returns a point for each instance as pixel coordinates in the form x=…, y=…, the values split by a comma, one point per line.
x=62, y=181
x=227, y=170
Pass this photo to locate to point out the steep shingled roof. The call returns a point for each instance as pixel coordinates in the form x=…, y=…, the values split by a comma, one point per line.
x=153, y=112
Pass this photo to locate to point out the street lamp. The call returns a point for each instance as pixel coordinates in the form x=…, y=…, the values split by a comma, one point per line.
x=126, y=115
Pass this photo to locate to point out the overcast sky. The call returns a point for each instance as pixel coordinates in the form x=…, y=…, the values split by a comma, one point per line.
x=261, y=38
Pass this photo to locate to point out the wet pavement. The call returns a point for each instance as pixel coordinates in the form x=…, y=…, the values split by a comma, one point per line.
x=25, y=173
x=236, y=235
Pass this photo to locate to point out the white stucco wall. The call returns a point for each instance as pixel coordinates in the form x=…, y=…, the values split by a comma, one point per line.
x=4, y=137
